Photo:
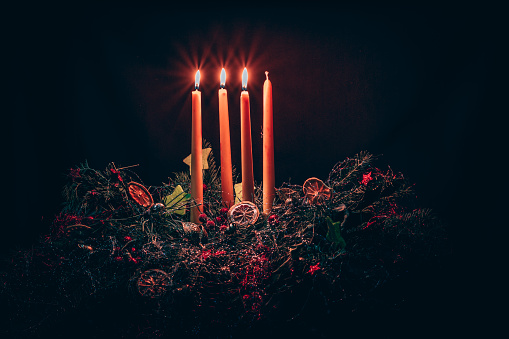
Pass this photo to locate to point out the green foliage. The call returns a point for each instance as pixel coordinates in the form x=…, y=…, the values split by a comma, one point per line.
x=103, y=240
x=334, y=233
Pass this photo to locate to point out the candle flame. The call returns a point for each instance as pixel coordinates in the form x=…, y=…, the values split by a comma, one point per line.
x=244, y=80
x=223, y=78
x=197, y=80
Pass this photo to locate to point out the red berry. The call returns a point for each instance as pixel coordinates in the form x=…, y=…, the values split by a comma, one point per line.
x=219, y=219
x=118, y=258
x=128, y=238
x=223, y=227
x=203, y=217
x=223, y=211
x=210, y=224
x=273, y=219
x=205, y=187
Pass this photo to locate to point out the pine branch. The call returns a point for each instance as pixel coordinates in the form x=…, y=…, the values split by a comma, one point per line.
x=346, y=171
x=342, y=250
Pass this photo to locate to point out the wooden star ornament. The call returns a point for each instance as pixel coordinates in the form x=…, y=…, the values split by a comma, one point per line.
x=238, y=192
x=204, y=155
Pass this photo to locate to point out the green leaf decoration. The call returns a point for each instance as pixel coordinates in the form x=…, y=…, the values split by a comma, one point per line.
x=334, y=233
x=176, y=201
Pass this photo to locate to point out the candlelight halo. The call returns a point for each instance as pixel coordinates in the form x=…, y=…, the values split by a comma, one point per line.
x=222, y=78
x=244, y=79
x=197, y=80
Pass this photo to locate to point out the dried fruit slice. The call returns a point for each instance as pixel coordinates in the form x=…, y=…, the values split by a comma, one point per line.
x=244, y=213
x=153, y=283
x=316, y=191
x=140, y=194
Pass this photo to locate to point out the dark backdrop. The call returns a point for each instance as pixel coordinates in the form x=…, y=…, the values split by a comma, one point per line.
x=106, y=84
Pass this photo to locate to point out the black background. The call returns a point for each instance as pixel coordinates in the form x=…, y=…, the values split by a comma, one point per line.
x=106, y=84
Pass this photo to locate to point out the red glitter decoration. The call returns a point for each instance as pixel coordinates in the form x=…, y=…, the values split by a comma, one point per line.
x=314, y=268
x=117, y=173
x=74, y=173
x=205, y=254
x=366, y=178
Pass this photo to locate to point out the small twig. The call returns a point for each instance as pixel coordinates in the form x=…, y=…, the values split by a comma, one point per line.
x=121, y=168
x=126, y=245
x=79, y=225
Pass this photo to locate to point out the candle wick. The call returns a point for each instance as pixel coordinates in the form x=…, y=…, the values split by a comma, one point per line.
x=267, y=75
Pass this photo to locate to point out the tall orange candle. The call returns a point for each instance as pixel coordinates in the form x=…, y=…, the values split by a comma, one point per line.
x=245, y=143
x=196, y=156
x=225, y=148
x=268, y=147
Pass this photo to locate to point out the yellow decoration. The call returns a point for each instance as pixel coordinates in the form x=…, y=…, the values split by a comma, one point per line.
x=204, y=155
x=176, y=201
x=238, y=192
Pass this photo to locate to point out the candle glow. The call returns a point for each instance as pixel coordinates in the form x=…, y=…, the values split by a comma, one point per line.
x=197, y=80
x=244, y=80
x=222, y=78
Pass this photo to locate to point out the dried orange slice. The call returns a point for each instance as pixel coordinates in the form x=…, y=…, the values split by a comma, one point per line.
x=316, y=191
x=244, y=213
x=140, y=194
x=153, y=283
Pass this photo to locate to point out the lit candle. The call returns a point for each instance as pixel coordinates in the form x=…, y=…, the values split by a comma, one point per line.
x=224, y=136
x=196, y=156
x=245, y=143
x=268, y=147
